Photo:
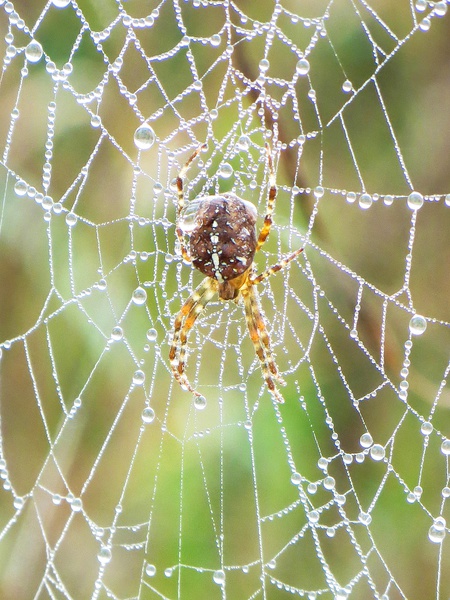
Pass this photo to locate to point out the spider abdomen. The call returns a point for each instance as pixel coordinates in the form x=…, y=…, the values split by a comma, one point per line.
x=222, y=235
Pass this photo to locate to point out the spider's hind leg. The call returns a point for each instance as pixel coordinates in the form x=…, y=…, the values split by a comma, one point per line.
x=260, y=338
x=184, y=322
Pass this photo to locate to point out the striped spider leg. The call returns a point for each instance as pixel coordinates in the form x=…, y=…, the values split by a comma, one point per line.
x=257, y=326
x=184, y=322
x=180, y=205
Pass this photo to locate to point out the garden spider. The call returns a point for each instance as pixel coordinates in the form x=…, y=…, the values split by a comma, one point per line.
x=222, y=245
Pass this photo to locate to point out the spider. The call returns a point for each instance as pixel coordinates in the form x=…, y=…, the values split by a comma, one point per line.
x=222, y=245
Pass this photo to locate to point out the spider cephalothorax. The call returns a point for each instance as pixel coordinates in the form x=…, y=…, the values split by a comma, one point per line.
x=222, y=245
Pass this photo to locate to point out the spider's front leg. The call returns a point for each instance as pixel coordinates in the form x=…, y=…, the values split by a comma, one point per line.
x=261, y=341
x=265, y=229
x=184, y=322
x=180, y=204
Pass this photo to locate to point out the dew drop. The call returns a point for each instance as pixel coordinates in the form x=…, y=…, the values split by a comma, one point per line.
x=365, y=201
x=152, y=335
x=71, y=219
x=148, y=415
x=364, y=518
x=410, y=498
x=445, y=447
x=418, y=491
x=437, y=533
x=96, y=121
x=215, y=40
x=264, y=65
x=200, y=402
x=116, y=333
x=440, y=8
x=347, y=86
x=348, y=459
x=47, y=202
x=322, y=463
x=67, y=69
x=18, y=502
x=50, y=67
x=415, y=201
x=104, y=556
x=417, y=325
x=76, y=505
x=157, y=188
x=219, y=577
x=426, y=428
x=34, y=51
x=139, y=296
x=21, y=188
x=296, y=478
x=243, y=143
x=144, y=137
x=425, y=24
x=11, y=51
x=138, y=377
x=302, y=67
x=313, y=516
x=377, y=452
x=188, y=220
x=329, y=483
x=319, y=191
x=150, y=570
x=366, y=440
x=226, y=171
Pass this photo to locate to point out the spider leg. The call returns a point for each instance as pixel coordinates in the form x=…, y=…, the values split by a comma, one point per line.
x=265, y=229
x=180, y=206
x=274, y=268
x=184, y=322
x=260, y=338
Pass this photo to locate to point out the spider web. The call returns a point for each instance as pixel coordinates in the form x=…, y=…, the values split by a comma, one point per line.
x=115, y=483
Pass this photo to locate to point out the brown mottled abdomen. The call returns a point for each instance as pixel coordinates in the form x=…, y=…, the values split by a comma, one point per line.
x=222, y=235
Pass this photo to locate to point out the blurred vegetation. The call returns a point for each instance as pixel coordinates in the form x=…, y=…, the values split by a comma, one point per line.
x=129, y=475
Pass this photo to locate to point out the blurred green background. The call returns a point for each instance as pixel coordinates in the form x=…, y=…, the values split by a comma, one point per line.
x=94, y=496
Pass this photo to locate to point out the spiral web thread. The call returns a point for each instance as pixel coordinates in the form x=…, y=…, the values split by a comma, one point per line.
x=116, y=483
